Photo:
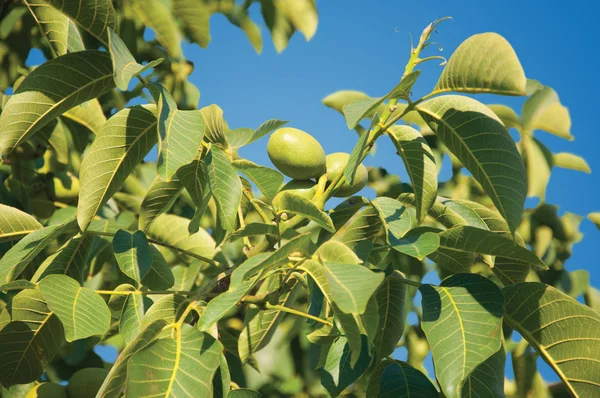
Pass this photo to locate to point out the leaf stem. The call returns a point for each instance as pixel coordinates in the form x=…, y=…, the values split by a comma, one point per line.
x=256, y=207
x=410, y=282
x=299, y=313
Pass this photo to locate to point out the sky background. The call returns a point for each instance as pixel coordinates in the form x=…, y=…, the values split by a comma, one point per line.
x=364, y=45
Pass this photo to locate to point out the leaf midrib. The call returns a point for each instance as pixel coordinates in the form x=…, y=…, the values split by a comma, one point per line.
x=462, y=330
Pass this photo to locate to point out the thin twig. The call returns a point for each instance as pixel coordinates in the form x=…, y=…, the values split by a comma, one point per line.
x=299, y=313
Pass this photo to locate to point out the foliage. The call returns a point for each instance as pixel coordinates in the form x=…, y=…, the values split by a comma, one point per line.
x=212, y=278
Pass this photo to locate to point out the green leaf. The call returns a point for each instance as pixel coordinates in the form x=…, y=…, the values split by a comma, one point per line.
x=88, y=115
x=341, y=98
x=15, y=224
x=50, y=90
x=418, y=245
x=81, y=310
x=289, y=202
x=194, y=177
x=473, y=68
x=570, y=161
x=244, y=393
x=94, y=16
x=391, y=303
x=24, y=251
x=543, y=111
x=20, y=284
x=351, y=285
x=337, y=374
x=355, y=225
x=399, y=379
x=125, y=67
x=133, y=254
x=358, y=110
x=117, y=377
x=476, y=136
x=159, y=199
x=337, y=252
x=222, y=304
x=225, y=186
x=196, y=17
x=160, y=276
x=60, y=32
x=420, y=165
x=355, y=159
x=487, y=380
x=564, y=332
x=397, y=219
x=167, y=308
x=539, y=162
x=31, y=339
x=462, y=319
x=283, y=18
x=254, y=229
x=216, y=127
x=595, y=218
x=120, y=146
x=238, y=138
x=180, y=133
x=179, y=364
x=507, y=115
x=70, y=259
x=156, y=15
x=266, y=179
x=133, y=311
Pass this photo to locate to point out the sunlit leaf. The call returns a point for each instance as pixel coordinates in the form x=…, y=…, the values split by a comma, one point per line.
x=159, y=199
x=289, y=202
x=71, y=259
x=543, y=111
x=418, y=245
x=15, y=224
x=571, y=161
x=351, y=285
x=157, y=15
x=243, y=136
x=225, y=186
x=265, y=178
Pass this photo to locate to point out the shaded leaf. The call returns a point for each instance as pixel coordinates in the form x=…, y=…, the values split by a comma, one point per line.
x=70, y=259
x=337, y=374
x=158, y=200
x=391, y=298
x=399, y=379
x=225, y=186
x=397, y=219
x=418, y=245
x=133, y=254
x=160, y=276
x=487, y=380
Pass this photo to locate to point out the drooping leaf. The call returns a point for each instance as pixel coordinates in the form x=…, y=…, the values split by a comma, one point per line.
x=160, y=276
x=595, y=218
x=15, y=224
x=159, y=199
x=462, y=319
x=194, y=178
x=116, y=378
x=473, y=133
x=23, y=252
x=543, y=111
x=180, y=133
x=351, y=285
x=338, y=373
x=391, y=298
x=81, y=310
x=473, y=68
x=508, y=116
x=157, y=15
x=357, y=110
x=125, y=67
x=283, y=18
x=237, y=138
x=487, y=380
x=265, y=178
x=179, y=364
x=30, y=340
x=417, y=245
x=94, y=16
x=419, y=163
x=60, y=32
x=571, y=161
x=225, y=185
x=564, y=332
x=289, y=202
x=133, y=254
x=539, y=161
x=71, y=259
x=355, y=159
x=121, y=145
x=50, y=90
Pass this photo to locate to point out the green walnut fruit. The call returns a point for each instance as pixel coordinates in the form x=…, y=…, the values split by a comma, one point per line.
x=47, y=390
x=336, y=163
x=64, y=187
x=304, y=188
x=296, y=154
x=86, y=382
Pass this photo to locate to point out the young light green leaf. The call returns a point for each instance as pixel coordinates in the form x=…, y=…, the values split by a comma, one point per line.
x=283, y=18
x=158, y=16
x=399, y=379
x=337, y=252
x=180, y=133
x=571, y=161
x=178, y=364
x=30, y=339
x=338, y=373
x=70, y=259
x=266, y=179
x=341, y=98
x=351, y=285
x=507, y=115
x=563, y=331
x=116, y=378
x=23, y=252
x=81, y=310
x=15, y=224
x=94, y=16
x=218, y=307
x=133, y=254
x=462, y=319
x=595, y=218
x=216, y=127
x=60, y=32
x=473, y=68
x=543, y=111
x=225, y=186
x=420, y=165
x=125, y=67
x=289, y=202
x=391, y=298
x=237, y=138
x=417, y=245
x=120, y=146
x=50, y=90
x=358, y=110
x=159, y=199
x=476, y=136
